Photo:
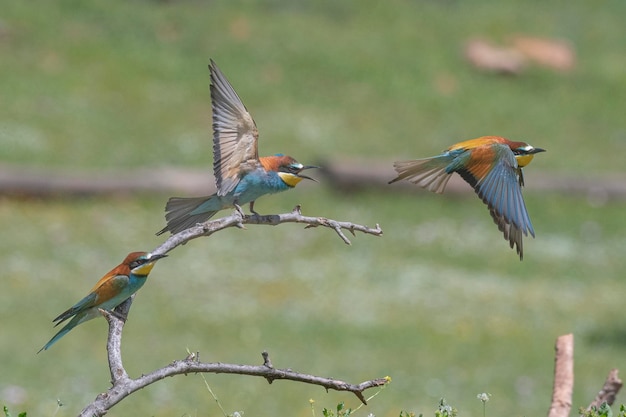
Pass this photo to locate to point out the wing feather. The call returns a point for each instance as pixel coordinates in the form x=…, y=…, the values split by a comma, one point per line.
x=235, y=134
x=105, y=289
x=500, y=189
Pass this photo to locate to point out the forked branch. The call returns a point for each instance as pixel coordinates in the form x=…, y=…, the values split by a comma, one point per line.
x=123, y=385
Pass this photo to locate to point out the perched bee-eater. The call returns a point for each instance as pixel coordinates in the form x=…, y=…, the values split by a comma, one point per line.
x=492, y=165
x=112, y=290
x=240, y=175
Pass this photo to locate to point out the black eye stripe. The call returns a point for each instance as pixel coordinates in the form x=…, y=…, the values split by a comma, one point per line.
x=290, y=168
x=135, y=264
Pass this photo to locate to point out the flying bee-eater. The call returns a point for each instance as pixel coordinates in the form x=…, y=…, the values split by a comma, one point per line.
x=241, y=176
x=492, y=165
x=109, y=292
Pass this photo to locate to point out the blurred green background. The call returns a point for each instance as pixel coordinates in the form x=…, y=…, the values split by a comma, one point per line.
x=439, y=303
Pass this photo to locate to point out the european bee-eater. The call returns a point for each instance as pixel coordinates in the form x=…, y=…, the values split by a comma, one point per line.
x=492, y=165
x=112, y=290
x=240, y=175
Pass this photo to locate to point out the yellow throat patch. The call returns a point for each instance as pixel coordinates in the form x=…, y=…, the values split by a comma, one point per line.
x=143, y=269
x=523, y=160
x=289, y=179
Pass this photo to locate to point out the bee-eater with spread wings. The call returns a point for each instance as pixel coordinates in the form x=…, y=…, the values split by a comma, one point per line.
x=112, y=290
x=240, y=175
x=492, y=165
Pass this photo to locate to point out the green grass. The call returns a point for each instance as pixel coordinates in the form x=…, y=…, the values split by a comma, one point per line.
x=130, y=81
x=443, y=315
x=439, y=303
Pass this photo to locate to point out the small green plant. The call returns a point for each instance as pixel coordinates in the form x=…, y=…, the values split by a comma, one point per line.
x=342, y=411
x=603, y=411
x=445, y=410
x=7, y=414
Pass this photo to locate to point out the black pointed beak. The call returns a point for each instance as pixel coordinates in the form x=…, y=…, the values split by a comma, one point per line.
x=154, y=258
x=305, y=176
x=537, y=150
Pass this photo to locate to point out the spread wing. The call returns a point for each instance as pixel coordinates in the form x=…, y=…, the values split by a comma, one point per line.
x=235, y=134
x=499, y=187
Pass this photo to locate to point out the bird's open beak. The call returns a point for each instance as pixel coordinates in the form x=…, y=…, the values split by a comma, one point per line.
x=306, y=177
x=537, y=150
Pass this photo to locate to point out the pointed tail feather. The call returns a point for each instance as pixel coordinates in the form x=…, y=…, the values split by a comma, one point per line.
x=429, y=173
x=179, y=215
x=56, y=337
x=78, y=319
x=64, y=316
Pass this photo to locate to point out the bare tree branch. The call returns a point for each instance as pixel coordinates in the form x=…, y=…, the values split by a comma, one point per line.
x=238, y=219
x=114, y=341
x=609, y=391
x=563, y=377
x=123, y=386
